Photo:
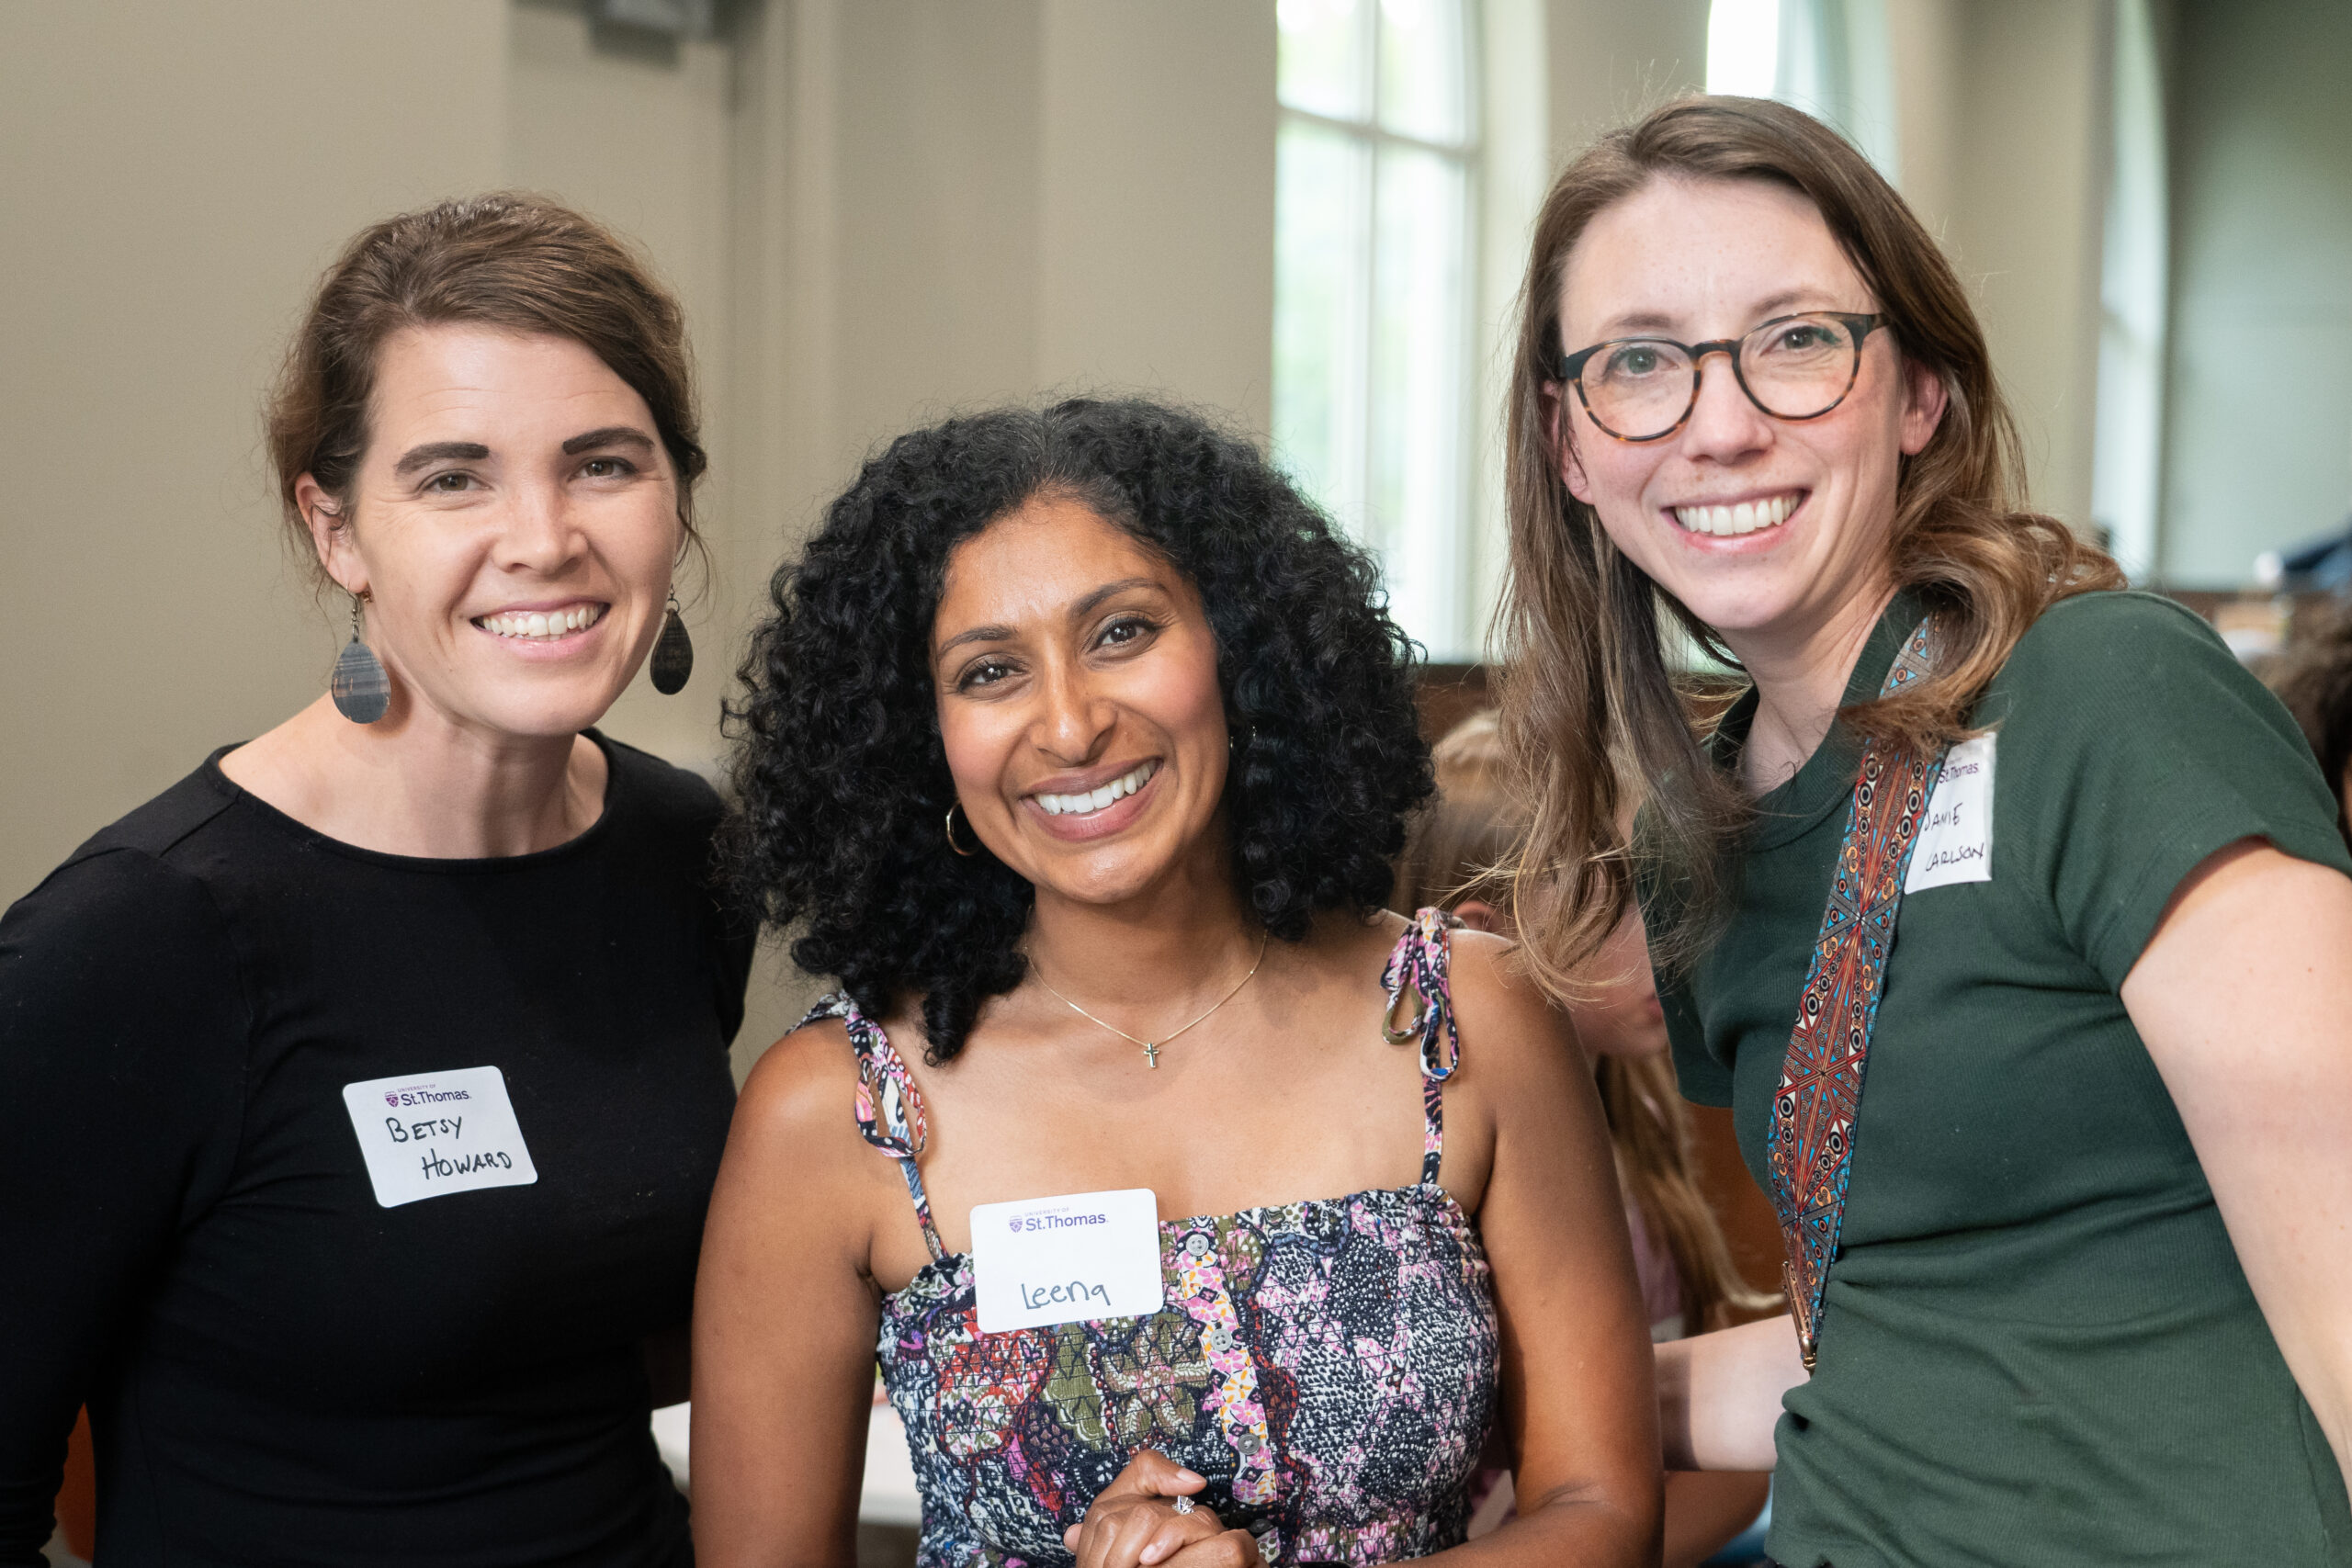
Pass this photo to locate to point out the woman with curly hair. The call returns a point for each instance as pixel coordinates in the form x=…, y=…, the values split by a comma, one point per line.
x=1078, y=747
x=2004, y=909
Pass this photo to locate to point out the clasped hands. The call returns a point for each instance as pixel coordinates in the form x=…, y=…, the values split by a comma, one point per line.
x=1135, y=1523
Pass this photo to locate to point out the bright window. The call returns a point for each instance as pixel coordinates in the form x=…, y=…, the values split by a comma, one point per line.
x=1830, y=58
x=1376, y=171
x=2126, y=453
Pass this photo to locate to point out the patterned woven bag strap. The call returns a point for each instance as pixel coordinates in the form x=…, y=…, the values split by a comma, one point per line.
x=889, y=1107
x=1417, y=965
x=1809, y=1145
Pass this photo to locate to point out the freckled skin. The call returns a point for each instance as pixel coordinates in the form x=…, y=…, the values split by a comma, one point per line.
x=1712, y=259
x=1698, y=260
x=440, y=546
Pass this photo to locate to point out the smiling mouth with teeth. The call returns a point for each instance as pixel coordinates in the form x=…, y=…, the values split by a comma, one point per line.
x=540, y=625
x=1746, y=517
x=1097, y=799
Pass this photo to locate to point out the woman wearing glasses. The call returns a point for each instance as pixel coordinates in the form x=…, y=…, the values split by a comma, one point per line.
x=2059, y=1157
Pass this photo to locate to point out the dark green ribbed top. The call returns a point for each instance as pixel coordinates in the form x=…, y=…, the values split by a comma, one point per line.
x=2037, y=1346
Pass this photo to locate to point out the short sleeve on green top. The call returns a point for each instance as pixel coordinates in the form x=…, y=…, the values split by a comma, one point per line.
x=2037, y=1345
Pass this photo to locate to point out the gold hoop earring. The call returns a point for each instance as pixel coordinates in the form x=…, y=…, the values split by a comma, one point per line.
x=950, y=835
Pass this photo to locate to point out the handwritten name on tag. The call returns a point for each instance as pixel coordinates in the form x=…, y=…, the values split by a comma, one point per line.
x=428, y=1134
x=1956, y=840
x=1048, y=1260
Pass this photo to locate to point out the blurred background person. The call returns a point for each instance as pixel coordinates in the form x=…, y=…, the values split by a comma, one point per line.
x=2314, y=677
x=369, y=1084
x=1458, y=858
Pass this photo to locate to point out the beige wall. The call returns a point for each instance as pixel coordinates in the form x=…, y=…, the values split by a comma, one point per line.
x=1152, y=271
x=2002, y=122
x=2258, y=451
x=171, y=180
x=1612, y=63
x=996, y=198
x=2028, y=186
x=874, y=210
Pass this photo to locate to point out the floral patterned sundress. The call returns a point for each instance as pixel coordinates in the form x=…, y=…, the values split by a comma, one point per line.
x=1330, y=1365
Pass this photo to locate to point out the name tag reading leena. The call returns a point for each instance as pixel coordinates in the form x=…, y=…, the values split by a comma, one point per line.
x=1048, y=1260
x=428, y=1134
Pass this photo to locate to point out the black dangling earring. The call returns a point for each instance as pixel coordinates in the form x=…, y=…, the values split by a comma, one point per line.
x=673, y=654
x=361, y=689
x=950, y=835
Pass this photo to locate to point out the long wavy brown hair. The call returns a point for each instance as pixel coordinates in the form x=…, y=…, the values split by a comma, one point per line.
x=1456, y=852
x=1589, y=687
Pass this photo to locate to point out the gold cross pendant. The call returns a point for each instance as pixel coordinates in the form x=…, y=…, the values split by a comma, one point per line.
x=1151, y=1053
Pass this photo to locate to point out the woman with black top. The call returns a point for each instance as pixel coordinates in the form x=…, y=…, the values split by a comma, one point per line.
x=366, y=1087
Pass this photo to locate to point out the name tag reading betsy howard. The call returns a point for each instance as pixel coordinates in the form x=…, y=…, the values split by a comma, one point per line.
x=429, y=1134
x=1048, y=1260
x=1956, y=840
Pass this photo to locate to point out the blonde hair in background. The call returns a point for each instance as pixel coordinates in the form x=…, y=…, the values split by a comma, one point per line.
x=1460, y=848
x=1587, y=680
x=1461, y=845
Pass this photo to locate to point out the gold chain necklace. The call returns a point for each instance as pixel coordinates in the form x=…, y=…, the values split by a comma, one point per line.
x=1151, y=1047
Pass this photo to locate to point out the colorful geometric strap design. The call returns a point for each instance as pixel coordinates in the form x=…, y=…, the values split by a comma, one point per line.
x=1810, y=1143
x=889, y=1107
x=1234, y=1398
x=1418, y=963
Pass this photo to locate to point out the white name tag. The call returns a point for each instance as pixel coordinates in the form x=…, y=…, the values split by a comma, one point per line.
x=434, y=1134
x=1956, y=840
x=1066, y=1259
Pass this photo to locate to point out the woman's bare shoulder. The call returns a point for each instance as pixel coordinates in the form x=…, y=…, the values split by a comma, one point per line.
x=801, y=1096
x=1508, y=1026
x=799, y=1174
x=1483, y=973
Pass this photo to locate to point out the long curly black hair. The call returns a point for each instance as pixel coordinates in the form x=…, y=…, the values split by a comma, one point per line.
x=839, y=767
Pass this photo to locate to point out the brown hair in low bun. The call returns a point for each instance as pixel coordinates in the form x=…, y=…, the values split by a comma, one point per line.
x=515, y=262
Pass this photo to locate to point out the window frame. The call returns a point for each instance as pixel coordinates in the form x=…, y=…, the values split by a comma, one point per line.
x=1447, y=630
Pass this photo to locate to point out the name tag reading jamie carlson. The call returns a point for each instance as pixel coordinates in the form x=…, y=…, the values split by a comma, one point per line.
x=1048, y=1260
x=1956, y=840
x=429, y=1134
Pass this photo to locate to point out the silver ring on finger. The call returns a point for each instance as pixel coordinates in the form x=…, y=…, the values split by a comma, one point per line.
x=1183, y=1504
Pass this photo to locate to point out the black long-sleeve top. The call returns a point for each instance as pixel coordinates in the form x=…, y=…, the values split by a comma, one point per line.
x=279, y=1368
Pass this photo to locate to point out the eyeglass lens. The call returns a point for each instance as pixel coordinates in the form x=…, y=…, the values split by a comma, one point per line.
x=1794, y=369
